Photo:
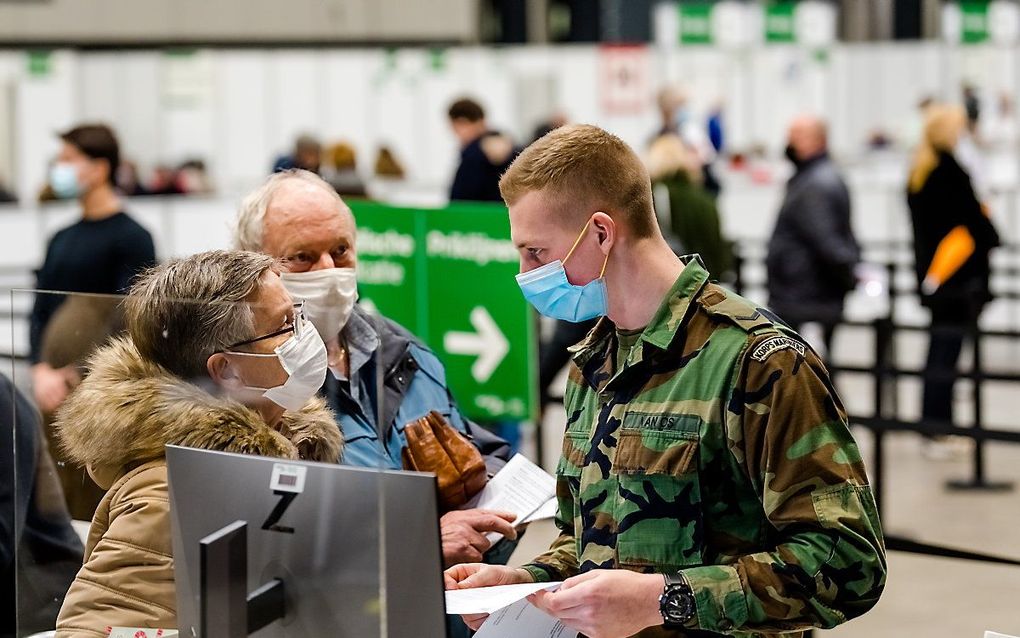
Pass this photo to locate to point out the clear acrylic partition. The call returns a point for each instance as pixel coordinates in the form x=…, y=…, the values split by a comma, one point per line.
x=329, y=534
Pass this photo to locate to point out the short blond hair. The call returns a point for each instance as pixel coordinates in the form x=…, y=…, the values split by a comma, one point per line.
x=585, y=169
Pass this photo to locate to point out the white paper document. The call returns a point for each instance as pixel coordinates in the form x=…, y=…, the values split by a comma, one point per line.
x=546, y=511
x=485, y=600
x=523, y=619
x=521, y=487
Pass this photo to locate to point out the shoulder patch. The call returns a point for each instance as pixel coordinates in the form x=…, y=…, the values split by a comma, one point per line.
x=729, y=306
x=772, y=345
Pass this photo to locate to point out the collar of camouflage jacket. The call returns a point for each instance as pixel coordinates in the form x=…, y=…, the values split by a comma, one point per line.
x=665, y=324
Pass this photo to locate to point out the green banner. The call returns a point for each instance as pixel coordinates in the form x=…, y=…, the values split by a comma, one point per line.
x=695, y=22
x=447, y=275
x=40, y=63
x=779, y=22
x=974, y=21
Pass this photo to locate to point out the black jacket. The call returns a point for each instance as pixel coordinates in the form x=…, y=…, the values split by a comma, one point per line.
x=477, y=177
x=38, y=546
x=812, y=253
x=946, y=201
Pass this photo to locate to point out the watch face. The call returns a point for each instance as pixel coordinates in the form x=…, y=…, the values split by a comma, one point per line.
x=678, y=606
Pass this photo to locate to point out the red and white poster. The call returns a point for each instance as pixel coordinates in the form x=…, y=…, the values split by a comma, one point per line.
x=624, y=79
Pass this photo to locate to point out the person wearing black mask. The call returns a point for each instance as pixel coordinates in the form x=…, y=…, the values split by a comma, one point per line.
x=812, y=253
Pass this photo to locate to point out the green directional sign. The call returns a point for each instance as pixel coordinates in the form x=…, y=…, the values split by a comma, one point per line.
x=779, y=21
x=695, y=22
x=448, y=276
x=974, y=21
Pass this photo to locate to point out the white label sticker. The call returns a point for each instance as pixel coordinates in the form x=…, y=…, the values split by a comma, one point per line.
x=288, y=478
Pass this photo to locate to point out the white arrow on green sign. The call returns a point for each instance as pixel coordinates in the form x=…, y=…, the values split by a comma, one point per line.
x=487, y=343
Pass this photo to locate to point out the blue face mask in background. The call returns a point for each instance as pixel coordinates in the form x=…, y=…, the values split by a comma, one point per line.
x=64, y=180
x=551, y=293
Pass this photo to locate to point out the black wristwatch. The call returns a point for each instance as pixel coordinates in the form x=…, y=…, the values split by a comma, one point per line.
x=676, y=604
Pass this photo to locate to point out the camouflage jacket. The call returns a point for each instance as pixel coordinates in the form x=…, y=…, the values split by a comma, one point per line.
x=721, y=450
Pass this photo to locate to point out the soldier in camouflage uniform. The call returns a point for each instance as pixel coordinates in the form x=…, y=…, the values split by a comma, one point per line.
x=703, y=439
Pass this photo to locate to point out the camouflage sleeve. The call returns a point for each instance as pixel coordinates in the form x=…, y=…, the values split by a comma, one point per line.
x=825, y=561
x=560, y=561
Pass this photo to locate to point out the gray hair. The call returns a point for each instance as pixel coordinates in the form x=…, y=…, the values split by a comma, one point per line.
x=251, y=217
x=181, y=312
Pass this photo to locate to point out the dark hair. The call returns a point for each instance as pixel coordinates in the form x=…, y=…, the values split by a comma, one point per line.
x=98, y=142
x=466, y=109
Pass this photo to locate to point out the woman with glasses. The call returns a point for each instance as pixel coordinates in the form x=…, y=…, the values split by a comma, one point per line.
x=217, y=357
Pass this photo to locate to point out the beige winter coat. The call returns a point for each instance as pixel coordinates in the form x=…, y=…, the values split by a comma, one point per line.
x=116, y=424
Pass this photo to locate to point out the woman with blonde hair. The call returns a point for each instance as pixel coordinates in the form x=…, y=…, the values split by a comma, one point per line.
x=686, y=211
x=952, y=240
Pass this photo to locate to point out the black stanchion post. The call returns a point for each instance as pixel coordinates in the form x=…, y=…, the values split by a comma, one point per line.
x=978, y=481
x=738, y=268
x=882, y=337
x=889, y=347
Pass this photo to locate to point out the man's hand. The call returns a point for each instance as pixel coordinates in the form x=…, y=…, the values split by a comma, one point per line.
x=51, y=386
x=605, y=603
x=474, y=575
x=463, y=533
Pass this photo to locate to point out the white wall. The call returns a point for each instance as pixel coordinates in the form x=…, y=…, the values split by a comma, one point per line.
x=237, y=109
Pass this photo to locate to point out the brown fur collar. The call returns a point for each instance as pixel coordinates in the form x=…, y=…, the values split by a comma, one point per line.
x=127, y=409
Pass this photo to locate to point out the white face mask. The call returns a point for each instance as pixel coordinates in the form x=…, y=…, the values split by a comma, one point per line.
x=304, y=359
x=329, y=297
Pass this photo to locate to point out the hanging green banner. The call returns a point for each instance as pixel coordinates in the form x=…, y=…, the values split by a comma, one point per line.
x=695, y=22
x=779, y=23
x=974, y=21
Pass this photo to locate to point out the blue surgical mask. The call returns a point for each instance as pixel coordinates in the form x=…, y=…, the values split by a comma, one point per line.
x=551, y=293
x=64, y=180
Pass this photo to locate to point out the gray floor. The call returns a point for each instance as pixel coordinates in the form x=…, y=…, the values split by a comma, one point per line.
x=932, y=597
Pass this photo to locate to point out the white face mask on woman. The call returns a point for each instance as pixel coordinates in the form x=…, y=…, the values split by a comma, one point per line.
x=329, y=295
x=303, y=358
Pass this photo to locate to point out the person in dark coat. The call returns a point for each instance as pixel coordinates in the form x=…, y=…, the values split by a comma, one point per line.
x=812, y=253
x=484, y=154
x=39, y=550
x=945, y=211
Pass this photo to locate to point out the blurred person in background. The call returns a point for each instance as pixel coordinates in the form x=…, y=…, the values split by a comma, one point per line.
x=297, y=217
x=164, y=181
x=387, y=166
x=6, y=196
x=100, y=253
x=972, y=106
x=128, y=181
x=953, y=237
x=203, y=366
x=688, y=212
x=812, y=253
x=717, y=127
x=553, y=122
x=193, y=178
x=342, y=171
x=676, y=118
x=999, y=127
x=39, y=550
x=307, y=155
x=484, y=154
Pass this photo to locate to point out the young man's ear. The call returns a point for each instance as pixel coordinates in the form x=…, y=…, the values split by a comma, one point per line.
x=605, y=227
x=222, y=371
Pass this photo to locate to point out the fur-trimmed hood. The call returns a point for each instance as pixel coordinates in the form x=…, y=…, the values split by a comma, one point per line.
x=127, y=409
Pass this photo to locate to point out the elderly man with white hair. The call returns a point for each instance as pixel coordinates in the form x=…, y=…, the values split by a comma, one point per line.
x=299, y=219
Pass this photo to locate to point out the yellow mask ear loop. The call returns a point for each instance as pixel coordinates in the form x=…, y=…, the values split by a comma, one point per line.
x=576, y=243
x=574, y=247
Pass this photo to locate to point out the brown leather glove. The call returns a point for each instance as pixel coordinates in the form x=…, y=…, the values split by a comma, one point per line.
x=433, y=445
